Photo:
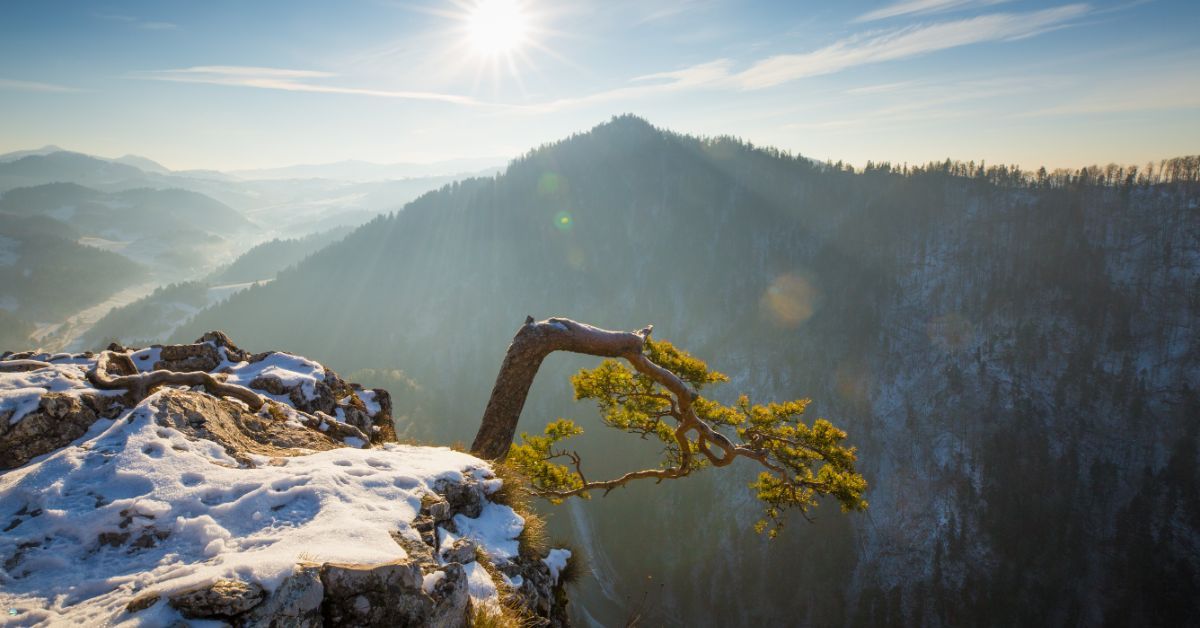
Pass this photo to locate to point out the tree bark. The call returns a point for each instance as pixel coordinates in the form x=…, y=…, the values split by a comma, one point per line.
x=532, y=343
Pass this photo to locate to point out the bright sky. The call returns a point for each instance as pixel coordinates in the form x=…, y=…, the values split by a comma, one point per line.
x=230, y=84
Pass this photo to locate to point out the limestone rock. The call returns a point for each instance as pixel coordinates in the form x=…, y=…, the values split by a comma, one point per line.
x=58, y=420
x=461, y=551
x=295, y=604
x=450, y=597
x=465, y=498
x=202, y=416
x=201, y=356
x=221, y=599
x=388, y=594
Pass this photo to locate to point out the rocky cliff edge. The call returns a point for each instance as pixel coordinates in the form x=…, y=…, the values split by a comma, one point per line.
x=160, y=504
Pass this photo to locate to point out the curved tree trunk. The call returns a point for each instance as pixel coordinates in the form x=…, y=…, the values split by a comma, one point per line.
x=532, y=343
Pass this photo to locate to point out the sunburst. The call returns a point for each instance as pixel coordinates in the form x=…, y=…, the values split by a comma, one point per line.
x=497, y=27
x=497, y=40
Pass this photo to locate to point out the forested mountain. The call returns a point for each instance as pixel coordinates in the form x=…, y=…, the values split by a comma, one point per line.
x=46, y=274
x=1016, y=356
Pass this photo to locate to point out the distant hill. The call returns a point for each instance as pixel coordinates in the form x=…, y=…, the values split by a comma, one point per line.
x=127, y=213
x=66, y=166
x=143, y=164
x=1015, y=356
x=362, y=171
x=15, y=155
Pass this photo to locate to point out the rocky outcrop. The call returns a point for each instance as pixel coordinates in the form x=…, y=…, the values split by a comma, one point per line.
x=58, y=419
x=429, y=588
x=240, y=433
x=208, y=492
x=337, y=410
x=223, y=599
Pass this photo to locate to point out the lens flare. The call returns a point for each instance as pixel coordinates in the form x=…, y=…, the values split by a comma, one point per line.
x=551, y=184
x=563, y=221
x=790, y=300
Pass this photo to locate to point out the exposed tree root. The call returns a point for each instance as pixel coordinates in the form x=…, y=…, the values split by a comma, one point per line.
x=140, y=385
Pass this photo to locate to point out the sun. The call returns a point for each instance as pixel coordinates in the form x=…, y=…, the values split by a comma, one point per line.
x=497, y=27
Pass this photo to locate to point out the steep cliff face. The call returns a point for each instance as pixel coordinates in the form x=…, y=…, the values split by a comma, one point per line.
x=144, y=505
x=1017, y=364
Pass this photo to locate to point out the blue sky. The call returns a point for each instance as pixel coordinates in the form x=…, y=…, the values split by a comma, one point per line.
x=233, y=84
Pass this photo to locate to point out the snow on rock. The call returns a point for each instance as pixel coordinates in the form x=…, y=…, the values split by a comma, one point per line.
x=495, y=530
x=135, y=505
x=557, y=561
x=292, y=371
x=368, y=399
x=480, y=584
x=431, y=580
x=146, y=359
x=21, y=391
x=161, y=510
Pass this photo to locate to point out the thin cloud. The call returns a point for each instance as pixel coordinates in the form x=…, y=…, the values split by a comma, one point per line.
x=858, y=50
x=33, y=86
x=136, y=22
x=245, y=71
x=157, y=26
x=905, y=42
x=921, y=7
x=289, y=80
x=666, y=10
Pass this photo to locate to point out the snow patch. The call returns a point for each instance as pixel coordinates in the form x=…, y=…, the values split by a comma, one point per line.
x=290, y=369
x=431, y=580
x=135, y=506
x=368, y=399
x=495, y=530
x=145, y=359
x=556, y=560
x=479, y=584
x=20, y=392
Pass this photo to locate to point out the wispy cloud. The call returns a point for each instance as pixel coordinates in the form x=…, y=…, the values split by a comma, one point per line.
x=136, y=22
x=291, y=81
x=857, y=50
x=647, y=12
x=921, y=7
x=913, y=101
x=906, y=42
x=33, y=86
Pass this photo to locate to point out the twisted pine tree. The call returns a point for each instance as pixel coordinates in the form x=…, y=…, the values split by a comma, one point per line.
x=655, y=393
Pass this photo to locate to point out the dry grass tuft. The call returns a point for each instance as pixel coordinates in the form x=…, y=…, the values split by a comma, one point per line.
x=514, y=493
x=498, y=616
